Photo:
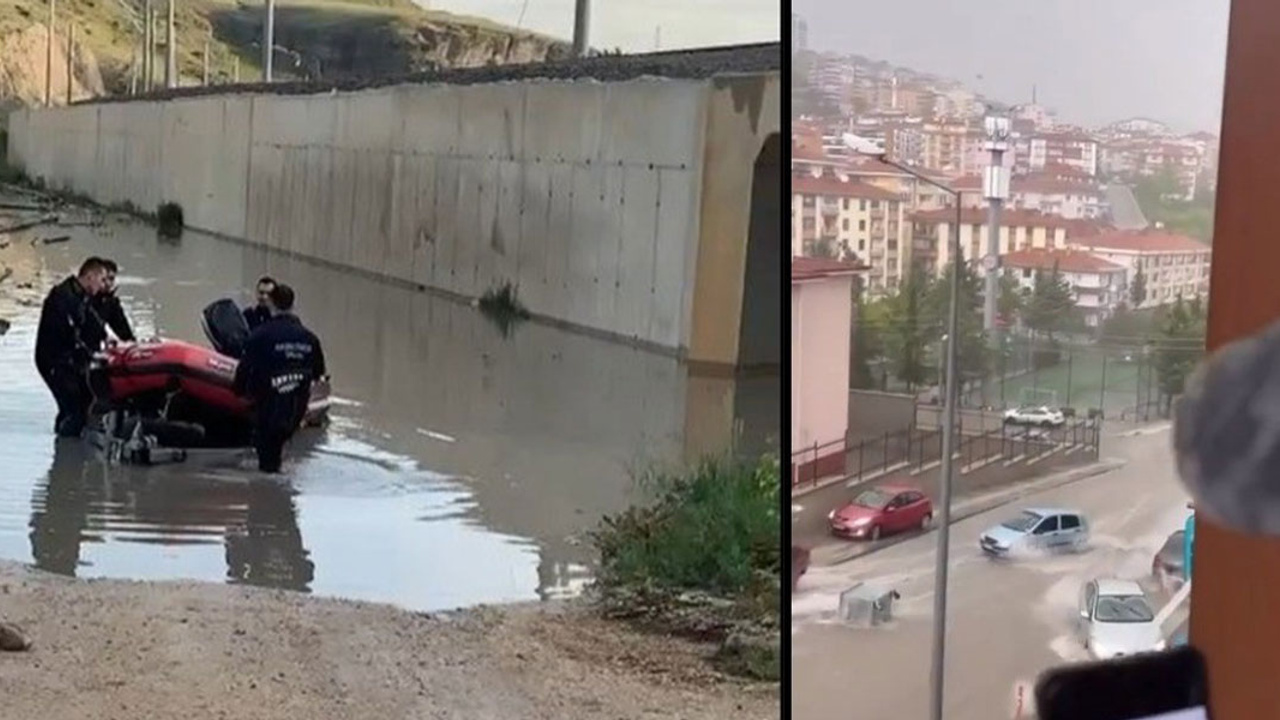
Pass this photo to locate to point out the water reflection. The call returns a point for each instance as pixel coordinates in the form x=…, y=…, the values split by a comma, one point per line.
x=83, y=500
x=462, y=465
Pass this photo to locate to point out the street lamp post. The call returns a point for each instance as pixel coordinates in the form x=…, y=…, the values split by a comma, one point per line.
x=939, y=653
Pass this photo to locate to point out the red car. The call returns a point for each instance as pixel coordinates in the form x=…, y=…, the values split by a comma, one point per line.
x=883, y=510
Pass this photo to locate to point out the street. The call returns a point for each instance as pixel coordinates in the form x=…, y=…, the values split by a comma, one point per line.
x=1009, y=620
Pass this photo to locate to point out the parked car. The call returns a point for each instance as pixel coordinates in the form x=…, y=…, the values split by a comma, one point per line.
x=1037, y=529
x=1169, y=566
x=799, y=564
x=882, y=510
x=1116, y=619
x=1041, y=416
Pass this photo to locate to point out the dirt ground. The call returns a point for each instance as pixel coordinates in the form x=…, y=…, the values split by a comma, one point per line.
x=110, y=649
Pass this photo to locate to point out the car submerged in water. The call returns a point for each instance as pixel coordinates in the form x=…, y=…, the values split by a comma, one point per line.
x=1051, y=530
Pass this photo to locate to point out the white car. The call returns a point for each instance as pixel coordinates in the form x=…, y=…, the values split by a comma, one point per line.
x=1116, y=619
x=1042, y=416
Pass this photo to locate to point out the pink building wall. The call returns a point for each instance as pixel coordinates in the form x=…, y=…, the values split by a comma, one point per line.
x=821, y=322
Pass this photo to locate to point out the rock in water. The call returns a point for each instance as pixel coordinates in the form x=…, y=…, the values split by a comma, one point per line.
x=1227, y=435
x=12, y=639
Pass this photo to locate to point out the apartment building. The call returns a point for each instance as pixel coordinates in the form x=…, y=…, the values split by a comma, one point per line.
x=1099, y=286
x=1138, y=157
x=1075, y=150
x=851, y=219
x=1019, y=230
x=1172, y=266
x=952, y=148
x=1040, y=193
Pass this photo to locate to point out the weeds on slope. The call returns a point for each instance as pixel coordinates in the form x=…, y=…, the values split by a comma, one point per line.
x=702, y=559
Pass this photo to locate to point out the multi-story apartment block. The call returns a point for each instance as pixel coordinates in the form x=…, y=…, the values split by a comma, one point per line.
x=1138, y=157
x=1172, y=266
x=1019, y=230
x=1075, y=150
x=1039, y=192
x=1098, y=285
x=852, y=219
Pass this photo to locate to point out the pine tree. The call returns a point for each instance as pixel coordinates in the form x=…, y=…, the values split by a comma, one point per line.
x=1138, y=289
x=1180, y=345
x=1052, y=306
x=973, y=355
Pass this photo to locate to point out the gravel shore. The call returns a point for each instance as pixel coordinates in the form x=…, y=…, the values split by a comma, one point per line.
x=108, y=649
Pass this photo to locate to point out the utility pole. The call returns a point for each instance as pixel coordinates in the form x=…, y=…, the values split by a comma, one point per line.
x=71, y=54
x=170, y=52
x=268, y=40
x=205, y=62
x=581, y=26
x=995, y=188
x=48, y=60
x=235, y=70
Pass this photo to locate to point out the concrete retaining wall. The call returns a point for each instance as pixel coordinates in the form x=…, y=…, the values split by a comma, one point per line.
x=587, y=196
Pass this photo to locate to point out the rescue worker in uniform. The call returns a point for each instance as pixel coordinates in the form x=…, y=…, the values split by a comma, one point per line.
x=108, y=312
x=281, y=359
x=255, y=315
x=62, y=354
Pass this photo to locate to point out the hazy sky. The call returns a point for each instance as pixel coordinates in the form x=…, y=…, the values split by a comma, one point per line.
x=633, y=25
x=1093, y=61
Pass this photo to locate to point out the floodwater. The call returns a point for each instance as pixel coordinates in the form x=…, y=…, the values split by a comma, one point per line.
x=460, y=467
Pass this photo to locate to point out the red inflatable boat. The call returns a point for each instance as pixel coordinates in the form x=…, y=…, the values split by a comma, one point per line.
x=158, y=368
x=180, y=382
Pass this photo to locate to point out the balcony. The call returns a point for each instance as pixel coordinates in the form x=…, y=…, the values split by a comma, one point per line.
x=877, y=214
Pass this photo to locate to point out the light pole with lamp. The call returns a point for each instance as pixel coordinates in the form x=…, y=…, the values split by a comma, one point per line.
x=938, y=666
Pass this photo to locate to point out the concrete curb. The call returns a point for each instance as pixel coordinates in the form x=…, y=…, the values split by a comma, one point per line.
x=978, y=505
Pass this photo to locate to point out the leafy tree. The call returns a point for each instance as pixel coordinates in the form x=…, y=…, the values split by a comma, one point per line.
x=1180, y=345
x=871, y=322
x=1051, y=307
x=973, y=355
x=1138, y=289
x=908, y=329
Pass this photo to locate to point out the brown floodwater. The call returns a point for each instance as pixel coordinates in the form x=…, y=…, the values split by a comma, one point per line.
x=461, y=466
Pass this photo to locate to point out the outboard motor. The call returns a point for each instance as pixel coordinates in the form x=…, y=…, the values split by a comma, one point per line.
x=225, y=326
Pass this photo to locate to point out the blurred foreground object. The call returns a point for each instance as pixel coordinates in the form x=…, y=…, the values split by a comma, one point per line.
x=1227, y=435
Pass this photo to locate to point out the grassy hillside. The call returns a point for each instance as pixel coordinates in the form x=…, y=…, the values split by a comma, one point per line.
x=316, y=39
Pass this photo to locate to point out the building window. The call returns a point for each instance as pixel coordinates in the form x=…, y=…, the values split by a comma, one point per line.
x=845, y=203
x=844, y=224
x=862, y=204
x=862, y=245
x=862, y=225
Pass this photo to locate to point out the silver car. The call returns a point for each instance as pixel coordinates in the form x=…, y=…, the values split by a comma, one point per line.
x=1037, y=529
x=1116, y=619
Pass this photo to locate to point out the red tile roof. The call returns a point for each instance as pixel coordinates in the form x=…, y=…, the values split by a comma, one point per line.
x=1062, y=171
x=805, y=184
x=807, y=149
x=978, y=216
x=1072, y=261
x=1144, y=241
x=810, y=268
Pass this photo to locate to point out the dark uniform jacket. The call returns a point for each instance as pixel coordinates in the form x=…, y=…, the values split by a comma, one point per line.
x=281, y=359
x=107, y=313
x=65, y=327
x=255, y=315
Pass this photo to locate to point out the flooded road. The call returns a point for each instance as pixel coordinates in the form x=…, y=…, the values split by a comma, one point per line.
x=461, y=466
